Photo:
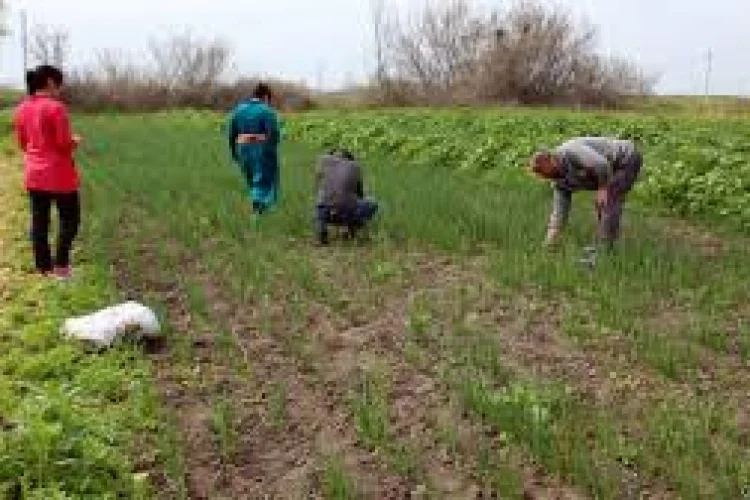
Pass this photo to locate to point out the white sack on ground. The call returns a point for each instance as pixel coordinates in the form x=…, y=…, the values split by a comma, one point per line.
x=103, y=327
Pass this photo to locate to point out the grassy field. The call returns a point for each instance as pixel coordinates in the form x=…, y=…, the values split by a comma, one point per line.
x=711, y=106
x=695, y=167
x=72, y=425
x=448, y=357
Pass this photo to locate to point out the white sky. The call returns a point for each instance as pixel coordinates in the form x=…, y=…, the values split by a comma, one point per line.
x=329, y=39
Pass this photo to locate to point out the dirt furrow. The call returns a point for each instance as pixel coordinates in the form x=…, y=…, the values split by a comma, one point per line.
x=529, y=334
x=421, y=403
x=425, y=414
x=316, y=425
x=285, y=431
x=417, y=400
x=182, y=395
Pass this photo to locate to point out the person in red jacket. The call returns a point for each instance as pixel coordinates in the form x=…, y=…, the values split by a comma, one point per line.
x=43, y=130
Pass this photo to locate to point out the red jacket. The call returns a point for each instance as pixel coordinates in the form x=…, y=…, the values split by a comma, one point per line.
x=43, y=131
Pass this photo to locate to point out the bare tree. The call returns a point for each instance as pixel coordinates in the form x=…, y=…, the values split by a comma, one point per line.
x=533, y=52
x=439, y=46
x=4, y=31
x=176, y=71
x=117, y=67
x=542, y=52
x=547, y=56
x=379, y=27
x=185, y=61
x=49, y=45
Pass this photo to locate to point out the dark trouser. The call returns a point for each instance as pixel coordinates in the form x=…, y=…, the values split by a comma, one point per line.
x=610, y=215
x=69, y=212
x=353, y=220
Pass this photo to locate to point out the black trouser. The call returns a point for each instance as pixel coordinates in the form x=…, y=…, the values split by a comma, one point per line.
x=69, y=212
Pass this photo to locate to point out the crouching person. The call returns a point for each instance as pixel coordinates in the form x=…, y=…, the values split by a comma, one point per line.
x=341, y=200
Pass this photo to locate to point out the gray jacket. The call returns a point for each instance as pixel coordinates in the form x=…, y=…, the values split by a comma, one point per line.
x=586, y=163
x=339, y=182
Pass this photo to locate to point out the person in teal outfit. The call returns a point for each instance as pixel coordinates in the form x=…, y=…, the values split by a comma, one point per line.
x=254, y=138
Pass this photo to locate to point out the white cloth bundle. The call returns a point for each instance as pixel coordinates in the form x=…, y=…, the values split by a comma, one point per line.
x=103, y=327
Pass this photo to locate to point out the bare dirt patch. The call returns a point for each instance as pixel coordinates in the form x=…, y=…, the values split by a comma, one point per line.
x=280, y=451
x=316, y=422
x=422, y=406
x=599, y=372
x=701, y=240
x=180, y=395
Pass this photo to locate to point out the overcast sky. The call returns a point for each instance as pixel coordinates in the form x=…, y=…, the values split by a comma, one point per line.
x=328, y=40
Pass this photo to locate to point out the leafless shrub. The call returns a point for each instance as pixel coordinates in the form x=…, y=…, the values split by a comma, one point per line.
x=4, y=31
x=381, y=92
x=450, y=52
x=49, y=45
x=437, y=48
x=114, y=81
x=181, y=71
x=185, y=64
x=537, y=54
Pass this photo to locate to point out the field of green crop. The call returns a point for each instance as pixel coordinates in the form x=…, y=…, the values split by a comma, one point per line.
x=693, y=167
x=450, y=356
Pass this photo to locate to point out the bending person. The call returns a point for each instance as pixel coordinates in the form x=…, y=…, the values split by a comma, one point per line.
x=605, y=165
x=254, y=141
x=341, y=199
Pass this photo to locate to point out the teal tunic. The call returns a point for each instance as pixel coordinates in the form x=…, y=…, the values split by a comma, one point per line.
x=259, y=162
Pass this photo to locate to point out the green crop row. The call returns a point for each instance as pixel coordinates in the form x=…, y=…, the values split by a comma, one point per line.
x=693, y=167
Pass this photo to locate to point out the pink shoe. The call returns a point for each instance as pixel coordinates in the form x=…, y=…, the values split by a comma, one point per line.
x=63, y=272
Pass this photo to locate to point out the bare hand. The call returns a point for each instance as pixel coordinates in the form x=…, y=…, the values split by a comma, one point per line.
x=77, y=139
